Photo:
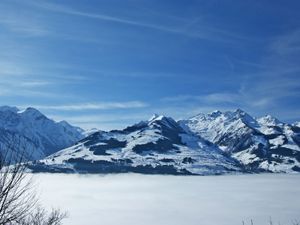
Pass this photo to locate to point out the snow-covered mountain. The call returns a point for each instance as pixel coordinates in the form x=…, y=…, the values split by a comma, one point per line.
x=159, y=145
x=259, y=144
x=214, y=143
x=32, y=133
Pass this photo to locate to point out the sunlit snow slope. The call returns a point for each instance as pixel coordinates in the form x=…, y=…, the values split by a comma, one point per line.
x=31, y=133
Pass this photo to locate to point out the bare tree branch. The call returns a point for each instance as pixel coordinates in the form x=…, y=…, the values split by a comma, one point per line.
x=18, y=201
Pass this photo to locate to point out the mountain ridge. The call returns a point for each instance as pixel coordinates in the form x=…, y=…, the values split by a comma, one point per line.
x=205, y=144
x=158, y=145
x=266, y=143
x=249, y=145
x=32, y=133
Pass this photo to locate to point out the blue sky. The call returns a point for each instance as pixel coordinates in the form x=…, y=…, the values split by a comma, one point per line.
x=107, y=64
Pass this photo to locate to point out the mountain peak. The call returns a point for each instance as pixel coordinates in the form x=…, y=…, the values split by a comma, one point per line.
x=157, y=117
x=32, y=112
x=269, y=120
x=154, y=117
x=163, y=120
x=240, y=112
x=215, y=113
x=245, y=118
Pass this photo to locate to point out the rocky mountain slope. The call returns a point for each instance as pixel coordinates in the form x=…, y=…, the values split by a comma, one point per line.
x=264, y=144
x=31, y=133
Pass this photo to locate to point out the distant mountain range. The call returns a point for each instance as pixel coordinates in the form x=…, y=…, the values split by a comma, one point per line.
x=32, y=134
x=214, y=143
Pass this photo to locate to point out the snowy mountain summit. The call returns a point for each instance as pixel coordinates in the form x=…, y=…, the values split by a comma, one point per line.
x=32, y=133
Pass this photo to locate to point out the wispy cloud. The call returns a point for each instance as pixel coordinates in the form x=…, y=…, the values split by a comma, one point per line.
x=186, y=27
x=92, y=106
x=18, y=25
x=287, y=44
x=16, y=73
x=29, y=92
x=274, y=82
x=102, y=118
x=67, y=10
x=102, y=121
x=29, y=25
x=208, y=98
x=8, y=69
x=34, y=83
x=264, y=92
x=117, y=120
x=25, y=23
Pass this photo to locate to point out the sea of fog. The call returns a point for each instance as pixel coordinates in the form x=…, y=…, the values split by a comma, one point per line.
x=132, y=199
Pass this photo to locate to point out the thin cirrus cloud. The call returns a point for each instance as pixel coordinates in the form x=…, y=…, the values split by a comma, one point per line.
x=92, y=106
x=28, y=28
x=31, y=84
x=217, y=101
x=103, y=121
x=212, y=97
x=263, y=92
x=24, y=88
x=287, y=44
x=26, y=24
x=187, y=27
x=102, y=118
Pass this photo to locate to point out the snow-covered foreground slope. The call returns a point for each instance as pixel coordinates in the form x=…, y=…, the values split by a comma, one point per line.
x=157, y=146
x=32, y=132
x=132, y=199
